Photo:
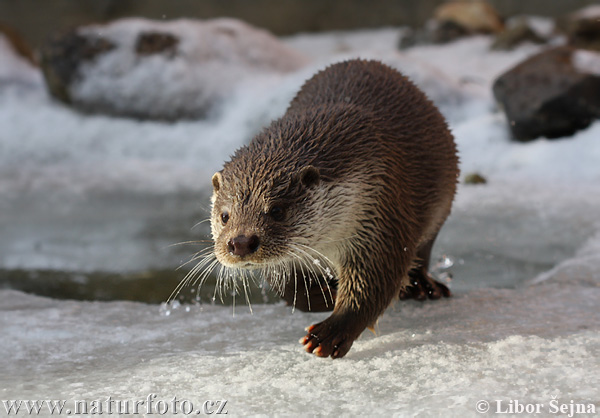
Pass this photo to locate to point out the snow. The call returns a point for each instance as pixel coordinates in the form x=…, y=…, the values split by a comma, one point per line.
x=542, y=26
x=589, y=12
x=587, y=62
x=92, y=193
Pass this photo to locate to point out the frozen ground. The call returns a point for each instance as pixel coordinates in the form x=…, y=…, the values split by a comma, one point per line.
x=91, y=193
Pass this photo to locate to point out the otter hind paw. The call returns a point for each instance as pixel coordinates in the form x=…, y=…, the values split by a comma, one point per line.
x=423, y=286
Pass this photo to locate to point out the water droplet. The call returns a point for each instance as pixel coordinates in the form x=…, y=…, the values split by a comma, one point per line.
x=163, y=307
x=445, y=262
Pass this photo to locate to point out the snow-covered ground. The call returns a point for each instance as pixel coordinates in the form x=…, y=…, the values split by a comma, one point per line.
x=93, y=193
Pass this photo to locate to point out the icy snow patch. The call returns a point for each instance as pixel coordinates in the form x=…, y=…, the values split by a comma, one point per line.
x=429, y=357
x=583, y=268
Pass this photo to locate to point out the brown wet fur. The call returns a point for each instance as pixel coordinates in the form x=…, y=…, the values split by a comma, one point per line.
x=364, y=169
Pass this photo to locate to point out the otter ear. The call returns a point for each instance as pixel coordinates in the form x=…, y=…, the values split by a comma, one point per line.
x=217, y=180
x=309, y=176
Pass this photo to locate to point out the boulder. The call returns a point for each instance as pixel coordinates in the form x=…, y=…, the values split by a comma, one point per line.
x=171, y=70
x=583, y=28
x=474, y=16
x=552, y=94
x=454, y=20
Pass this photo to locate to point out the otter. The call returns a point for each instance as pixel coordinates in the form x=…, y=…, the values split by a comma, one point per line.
x=342, y=198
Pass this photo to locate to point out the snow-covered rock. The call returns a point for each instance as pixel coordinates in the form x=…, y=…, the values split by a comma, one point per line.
x=160, y=70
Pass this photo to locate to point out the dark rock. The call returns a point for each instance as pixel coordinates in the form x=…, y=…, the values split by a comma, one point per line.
x=149, y=43
x=552, y=94
x=514, y=34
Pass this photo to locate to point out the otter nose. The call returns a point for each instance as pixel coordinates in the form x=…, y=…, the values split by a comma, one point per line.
x=243, y=245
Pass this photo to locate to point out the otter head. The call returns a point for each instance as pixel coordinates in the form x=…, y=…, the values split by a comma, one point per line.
x=258, y=212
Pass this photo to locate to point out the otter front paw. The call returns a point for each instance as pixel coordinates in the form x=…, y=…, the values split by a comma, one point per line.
x=332, y=337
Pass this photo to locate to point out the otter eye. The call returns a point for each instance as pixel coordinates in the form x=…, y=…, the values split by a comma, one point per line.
x=224, y=217
x=277, y=213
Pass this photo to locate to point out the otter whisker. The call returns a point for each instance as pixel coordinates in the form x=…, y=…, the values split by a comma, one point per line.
x=198, y=268
x=200, y=254
x=234, y=291
x=200, y=223
x=320, y=254
x=201, y=278
x=181, y=285
x=304, y=277
x=286, y=273
x=246, y=290
x=194, y=242
x=326, y=272
x=218, y=284
x=295, y=287
x=329, y=270
x=206, y=258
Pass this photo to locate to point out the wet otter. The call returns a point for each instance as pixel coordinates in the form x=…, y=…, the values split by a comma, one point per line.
x=356, y=179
